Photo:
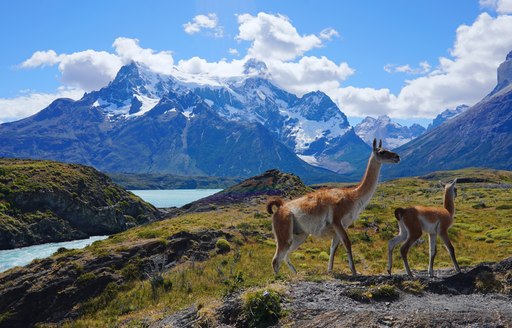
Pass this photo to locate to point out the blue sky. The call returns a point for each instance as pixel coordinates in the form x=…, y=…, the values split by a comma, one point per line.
x=407, y=59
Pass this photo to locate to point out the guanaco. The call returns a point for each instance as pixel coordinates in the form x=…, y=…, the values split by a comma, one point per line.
x=326, y=212
x=412, y=221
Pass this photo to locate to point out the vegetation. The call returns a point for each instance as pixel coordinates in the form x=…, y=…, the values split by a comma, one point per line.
x=374, y=293
x=262, y=308
x=246, y=264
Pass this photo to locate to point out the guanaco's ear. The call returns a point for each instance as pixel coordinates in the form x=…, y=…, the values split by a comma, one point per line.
x=374, y=143
x=380, y=143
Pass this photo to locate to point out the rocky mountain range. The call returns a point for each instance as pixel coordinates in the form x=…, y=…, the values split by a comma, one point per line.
x=392, y=134
x=481, y=136
x=144, y=122
x=446, y=115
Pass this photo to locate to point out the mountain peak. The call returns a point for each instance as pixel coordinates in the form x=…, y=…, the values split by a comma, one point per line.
x=256, y=67
x=504, y=75
x=392, y=134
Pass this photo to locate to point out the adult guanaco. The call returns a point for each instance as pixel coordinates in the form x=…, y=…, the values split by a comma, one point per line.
x=412, y=221
x=326, y=212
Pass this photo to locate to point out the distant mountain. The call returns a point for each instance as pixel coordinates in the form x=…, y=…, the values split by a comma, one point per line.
x=446, y=115
x=479, y=137
x=392, y=134
x=183, y=124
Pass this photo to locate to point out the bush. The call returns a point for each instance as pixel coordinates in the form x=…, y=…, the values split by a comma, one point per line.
x=223, y=246
x=323, y=256
x=262, y=308
x=374, y=293
x=413, y=286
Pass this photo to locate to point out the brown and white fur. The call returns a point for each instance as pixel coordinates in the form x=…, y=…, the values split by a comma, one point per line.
x=412, y=221
x=326, y=212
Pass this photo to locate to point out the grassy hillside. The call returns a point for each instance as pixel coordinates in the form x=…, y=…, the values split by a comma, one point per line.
x=44, y=201
x=241, y=261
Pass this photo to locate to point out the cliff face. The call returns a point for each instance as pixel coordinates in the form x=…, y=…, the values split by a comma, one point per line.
x=44, y=201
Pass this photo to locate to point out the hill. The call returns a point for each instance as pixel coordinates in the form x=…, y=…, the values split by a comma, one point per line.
x=213, y=267
x=45, y=201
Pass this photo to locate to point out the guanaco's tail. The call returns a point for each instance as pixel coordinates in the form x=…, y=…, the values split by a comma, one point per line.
x=274, y=201
x=399, y=212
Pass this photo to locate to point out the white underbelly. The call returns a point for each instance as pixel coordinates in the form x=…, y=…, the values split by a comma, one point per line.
x=314, y=224
x=429, y=227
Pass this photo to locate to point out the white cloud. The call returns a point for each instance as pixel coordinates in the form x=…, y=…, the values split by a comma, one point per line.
x=129, y=49
x=222, y=68
x=309, y=74
x=209, y=21
x=32, y=102
x=91, y=69
x=273, y=37
x=328, y=33
x=502, y=7
x=234, y=52
x=424, y=67
x=463, y=78
x=42, y=58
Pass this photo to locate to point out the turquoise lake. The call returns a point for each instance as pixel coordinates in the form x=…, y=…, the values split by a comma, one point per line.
x=174, y=197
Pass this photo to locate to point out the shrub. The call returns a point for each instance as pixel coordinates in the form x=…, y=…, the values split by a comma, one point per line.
x=375, y=293
x=262, y=308
x=413, y=286
x=323, y=256
x=222, y=245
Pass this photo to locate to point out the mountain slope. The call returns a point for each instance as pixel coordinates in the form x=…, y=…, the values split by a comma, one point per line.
x=479, y=137
x=446, y=115
x=144, y=122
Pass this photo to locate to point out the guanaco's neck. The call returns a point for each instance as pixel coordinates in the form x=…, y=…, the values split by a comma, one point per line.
x=449, y=202
x=370, y=179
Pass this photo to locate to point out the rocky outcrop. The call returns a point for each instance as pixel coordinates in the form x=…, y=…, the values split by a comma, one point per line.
x=479, y=297
x=270, y=183
x=53, y=289
x=43, y=201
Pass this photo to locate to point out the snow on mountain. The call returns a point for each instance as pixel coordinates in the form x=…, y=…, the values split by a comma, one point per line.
x=392, y=134
x=446, y=115
x=309, y=125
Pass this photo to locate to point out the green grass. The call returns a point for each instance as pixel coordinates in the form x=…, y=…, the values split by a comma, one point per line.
x=479, y=234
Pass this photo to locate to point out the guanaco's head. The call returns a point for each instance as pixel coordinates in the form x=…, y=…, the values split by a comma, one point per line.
x=383, y=155
x=451, y=188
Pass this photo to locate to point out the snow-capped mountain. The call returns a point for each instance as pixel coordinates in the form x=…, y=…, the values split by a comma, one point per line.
x=446, y=115
x=311, y=126
x=392, y=134
x=481, y=136
x=192, y=125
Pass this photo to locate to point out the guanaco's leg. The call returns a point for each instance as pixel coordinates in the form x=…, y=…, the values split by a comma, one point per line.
x=334, y=246
x=395, y=241
x=432, y=238
x=411, y=239
x=342, y=234
x=297, y=241
x=451, y=250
